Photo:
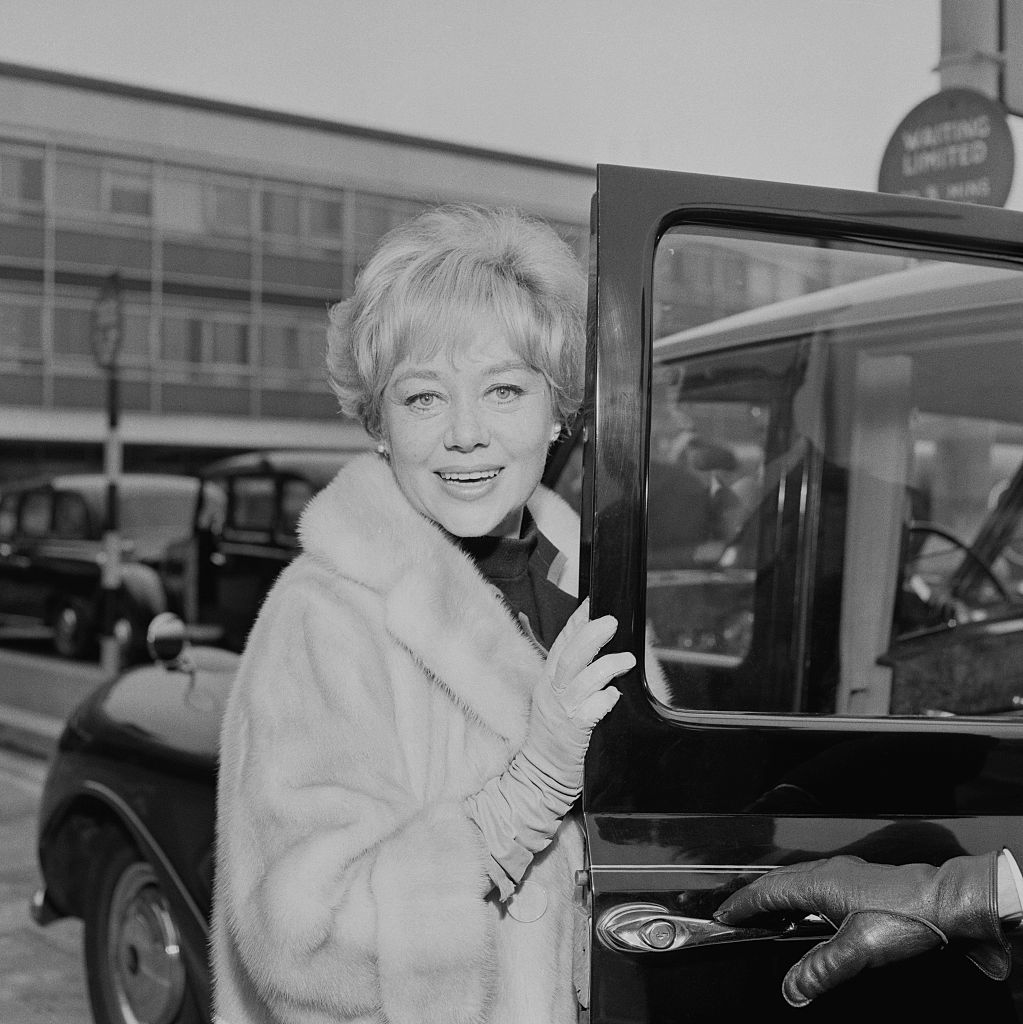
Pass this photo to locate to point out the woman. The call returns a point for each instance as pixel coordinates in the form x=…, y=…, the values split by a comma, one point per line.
x=400, y=754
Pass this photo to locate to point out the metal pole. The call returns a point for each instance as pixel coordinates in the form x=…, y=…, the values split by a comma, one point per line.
x=107, y=331
x=110, y=647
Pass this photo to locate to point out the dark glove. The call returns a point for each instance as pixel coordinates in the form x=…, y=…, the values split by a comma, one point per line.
x=883, y=913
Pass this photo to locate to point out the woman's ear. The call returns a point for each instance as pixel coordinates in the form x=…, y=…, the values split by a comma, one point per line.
x=555, y=432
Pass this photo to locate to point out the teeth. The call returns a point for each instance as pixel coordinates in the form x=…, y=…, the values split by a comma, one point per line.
x=465, y=478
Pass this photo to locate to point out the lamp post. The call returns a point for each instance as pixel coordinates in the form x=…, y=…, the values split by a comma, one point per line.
x=106, y=333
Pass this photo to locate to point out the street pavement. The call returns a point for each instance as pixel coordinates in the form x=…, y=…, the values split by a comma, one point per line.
x=42, y=977
x=41, y=969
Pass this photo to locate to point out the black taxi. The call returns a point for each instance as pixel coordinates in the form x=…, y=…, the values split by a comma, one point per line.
x=800, y=477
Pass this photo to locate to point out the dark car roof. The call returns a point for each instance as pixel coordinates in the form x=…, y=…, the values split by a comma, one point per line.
x=318, y=467
x=91, y=485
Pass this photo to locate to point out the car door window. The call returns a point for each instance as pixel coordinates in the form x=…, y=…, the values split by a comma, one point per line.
x=9, y=515
x=295, y=495
x=253, y=505
x=35, y=513
x=835, y=455
x=70, y=516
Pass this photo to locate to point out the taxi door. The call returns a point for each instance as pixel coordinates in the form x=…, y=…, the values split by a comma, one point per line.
x=802, y=491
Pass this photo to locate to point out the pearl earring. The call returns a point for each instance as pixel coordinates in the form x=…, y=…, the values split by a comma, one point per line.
x=383, y=451
x=556, y=433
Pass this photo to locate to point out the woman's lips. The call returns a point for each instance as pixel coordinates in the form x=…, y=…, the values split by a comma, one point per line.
x=468, y=483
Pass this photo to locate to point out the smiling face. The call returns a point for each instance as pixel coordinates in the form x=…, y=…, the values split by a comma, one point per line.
x=468, y=431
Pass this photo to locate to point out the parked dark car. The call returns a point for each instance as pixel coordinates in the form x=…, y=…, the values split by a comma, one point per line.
x=802, y=479
x=51, y=554
x=242, y=534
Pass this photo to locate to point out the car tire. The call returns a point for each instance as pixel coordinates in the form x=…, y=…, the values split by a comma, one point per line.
x=71, y=633
x=135, y=971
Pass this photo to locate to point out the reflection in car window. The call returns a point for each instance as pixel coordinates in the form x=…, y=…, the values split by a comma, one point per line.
x=835, y=490
x=295, y=495
x=35, y=513
x=9, y=515
x=253, y=503
x=70, y=516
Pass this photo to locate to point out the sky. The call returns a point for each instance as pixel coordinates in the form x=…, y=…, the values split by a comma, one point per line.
x=788, y=90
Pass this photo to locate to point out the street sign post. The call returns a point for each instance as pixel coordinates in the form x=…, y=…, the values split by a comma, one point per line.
x=106, y=335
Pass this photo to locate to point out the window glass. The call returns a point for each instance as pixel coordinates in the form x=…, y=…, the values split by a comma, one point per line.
x=71, y=325
x=35, y=513
x=835, y=479
x=135, y=337
x=281, y=214
x=325, y=219
x=297, y=346
x=181, y=339
x=228, y=209
x=20, y=332
x=252, y=507
x=21, y=178
x=374, y=216
x=179, y=205
x=78, y=185
x=9, y=515
x=280, y=348
x=131, y=194
x=70, y=516
x=230, y=343
x=295, y=495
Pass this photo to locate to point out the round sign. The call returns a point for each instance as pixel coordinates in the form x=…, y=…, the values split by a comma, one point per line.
x=107, y=327
x=955, y=145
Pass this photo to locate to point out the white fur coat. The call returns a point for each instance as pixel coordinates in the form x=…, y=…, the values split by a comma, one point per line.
x=383, y=682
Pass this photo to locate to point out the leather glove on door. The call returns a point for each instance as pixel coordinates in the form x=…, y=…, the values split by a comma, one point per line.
x=883, y=913
x=519, y=811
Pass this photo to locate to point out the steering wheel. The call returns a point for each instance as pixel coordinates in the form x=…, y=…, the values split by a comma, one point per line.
x=919, y=526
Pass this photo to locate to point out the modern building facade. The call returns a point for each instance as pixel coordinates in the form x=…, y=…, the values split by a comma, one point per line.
x=232, y=229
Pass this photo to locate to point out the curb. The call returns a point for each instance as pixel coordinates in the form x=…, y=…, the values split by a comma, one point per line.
x=29, y=732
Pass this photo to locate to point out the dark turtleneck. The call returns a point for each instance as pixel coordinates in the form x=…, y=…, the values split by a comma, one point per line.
x=519, y=568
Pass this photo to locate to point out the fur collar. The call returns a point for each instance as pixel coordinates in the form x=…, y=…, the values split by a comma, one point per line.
x=437, y=604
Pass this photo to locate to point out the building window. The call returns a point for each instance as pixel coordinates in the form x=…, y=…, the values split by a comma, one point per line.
x=71, y=331
x=230, y=343
x=115, y=188
x=131, y=194
x=296, y=347
x=78, y=186
x=20, y=333
x=21, y=178
x=325, y=219
x=229, y=209
x=179, y=205
x=181, y=339
x=189, y=205
x=374, y=216
x=281, y=214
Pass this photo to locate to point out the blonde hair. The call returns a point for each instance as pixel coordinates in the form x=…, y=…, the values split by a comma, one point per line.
x=434, y=279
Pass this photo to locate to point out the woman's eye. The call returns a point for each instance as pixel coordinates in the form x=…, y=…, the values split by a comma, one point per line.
x=424, y=400
x=506, y=392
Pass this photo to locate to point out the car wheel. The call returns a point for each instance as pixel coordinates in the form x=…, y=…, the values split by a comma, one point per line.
x=71, y=630
x=134, y=966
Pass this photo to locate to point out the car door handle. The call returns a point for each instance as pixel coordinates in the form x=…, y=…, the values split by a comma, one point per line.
x=651, y=928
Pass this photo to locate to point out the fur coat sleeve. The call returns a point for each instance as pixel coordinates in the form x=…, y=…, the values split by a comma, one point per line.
x=383, y=682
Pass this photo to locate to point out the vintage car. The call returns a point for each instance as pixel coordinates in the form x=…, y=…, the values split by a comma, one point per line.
x=52, y=554
x=801, y=477
x=243, y=532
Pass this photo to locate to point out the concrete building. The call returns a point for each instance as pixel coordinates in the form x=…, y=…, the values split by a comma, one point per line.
x=232, y=229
